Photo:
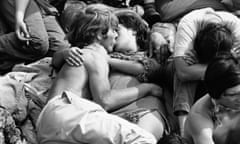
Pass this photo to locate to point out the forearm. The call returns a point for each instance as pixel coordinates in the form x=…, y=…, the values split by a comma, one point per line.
x=121, y=97
x=205, y=138
x=21, y=6
x=186, y=72
x=58, y=59
x=113, y=99
x=127, y=66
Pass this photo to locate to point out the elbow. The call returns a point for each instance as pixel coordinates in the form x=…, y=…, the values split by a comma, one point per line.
x=137, y=69
x=107, y=104
x=106, y=107
x=181, y=69
x=39, y=46
x=141, y=69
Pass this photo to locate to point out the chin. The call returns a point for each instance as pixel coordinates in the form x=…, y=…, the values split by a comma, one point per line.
x=117, y=49
x=110, y=49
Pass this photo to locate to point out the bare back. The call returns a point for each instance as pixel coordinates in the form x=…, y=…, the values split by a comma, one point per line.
x=77, y=79
x=201, y=127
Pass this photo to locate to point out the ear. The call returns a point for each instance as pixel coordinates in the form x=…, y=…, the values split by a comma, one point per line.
x=134, y=32
x=99, y=36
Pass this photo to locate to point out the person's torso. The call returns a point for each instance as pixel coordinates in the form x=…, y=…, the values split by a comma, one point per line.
x=228, y=123
x=77, y=79
x=223, y=123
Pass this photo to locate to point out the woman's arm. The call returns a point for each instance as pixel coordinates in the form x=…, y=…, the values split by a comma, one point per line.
x=58, y=59
x=127, y=66
x=186, y=72
x=134, y=64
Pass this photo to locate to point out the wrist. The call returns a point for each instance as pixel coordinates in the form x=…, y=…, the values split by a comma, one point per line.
x=148, y=88
x=65, y=53
x=19, y=16
x=112, y=61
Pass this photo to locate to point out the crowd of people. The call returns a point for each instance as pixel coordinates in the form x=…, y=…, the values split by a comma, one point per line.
x=119, y=72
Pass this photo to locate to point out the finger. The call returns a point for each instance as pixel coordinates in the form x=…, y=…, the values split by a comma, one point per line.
x=75, y=63
x=69, y=62
x=79, y=51
x=75, y=59
x=80, y=54
x=25, y=31
x=77, y=56
x=76, y=53
x=20, y=36
x=81, y=59
x=72, y=62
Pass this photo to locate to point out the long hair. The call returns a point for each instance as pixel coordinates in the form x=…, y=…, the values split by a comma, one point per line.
x=88, y=23
x=69, y=13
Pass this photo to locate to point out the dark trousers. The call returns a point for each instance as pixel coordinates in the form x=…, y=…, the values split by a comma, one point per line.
x=45, y=32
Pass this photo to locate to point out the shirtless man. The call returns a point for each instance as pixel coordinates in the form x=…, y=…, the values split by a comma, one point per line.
x=84, y=121
x=148, y=112
x=215, y=118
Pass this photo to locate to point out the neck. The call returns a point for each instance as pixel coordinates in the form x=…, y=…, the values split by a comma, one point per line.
x=133, y=46
x=97, y=47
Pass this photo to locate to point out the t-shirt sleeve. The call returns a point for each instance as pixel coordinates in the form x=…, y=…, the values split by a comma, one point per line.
x=184, y=38
x=187, y=31
x=233, y=23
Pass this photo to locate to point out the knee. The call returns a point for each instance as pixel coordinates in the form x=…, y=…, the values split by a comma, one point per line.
x=39, y=46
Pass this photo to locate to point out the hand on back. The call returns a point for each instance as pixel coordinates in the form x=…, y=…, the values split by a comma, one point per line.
x=74, y=56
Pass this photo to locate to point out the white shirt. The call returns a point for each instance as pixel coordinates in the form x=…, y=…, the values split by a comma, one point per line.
x=192, y=22
x=68, y=118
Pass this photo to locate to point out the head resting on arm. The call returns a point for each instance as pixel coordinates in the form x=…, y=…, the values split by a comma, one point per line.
x=212, y=39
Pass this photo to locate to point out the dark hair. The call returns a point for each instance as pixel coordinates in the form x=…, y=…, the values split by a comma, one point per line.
x=173, y=139
x=222, y=73
x=233, y=136
x=69, y=13
x=131, y=20
x=210, y=40
x=88, y=23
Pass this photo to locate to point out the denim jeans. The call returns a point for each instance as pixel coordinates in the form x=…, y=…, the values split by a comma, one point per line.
x=183, y=95
x=46, y=35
